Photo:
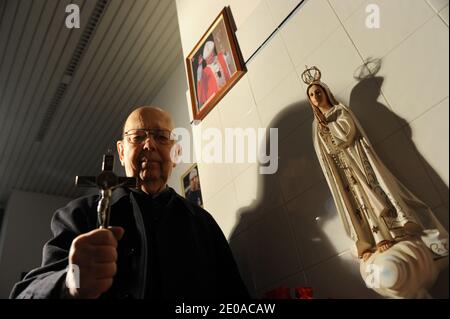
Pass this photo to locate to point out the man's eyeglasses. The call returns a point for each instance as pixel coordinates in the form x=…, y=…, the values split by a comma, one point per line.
x=139, y=136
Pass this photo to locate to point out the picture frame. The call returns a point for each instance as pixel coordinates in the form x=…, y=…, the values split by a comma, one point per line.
x=190, y=184
x=214, y=65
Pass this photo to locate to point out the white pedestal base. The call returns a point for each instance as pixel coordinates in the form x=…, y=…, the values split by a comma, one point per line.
x=406, y=270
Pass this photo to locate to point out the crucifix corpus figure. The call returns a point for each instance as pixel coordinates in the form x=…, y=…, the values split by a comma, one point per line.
x=107, y=181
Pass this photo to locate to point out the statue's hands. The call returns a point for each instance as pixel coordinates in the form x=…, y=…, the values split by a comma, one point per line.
x=94, y=255
x=384, y=245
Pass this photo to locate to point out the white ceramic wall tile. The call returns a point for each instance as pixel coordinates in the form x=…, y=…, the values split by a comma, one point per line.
x=337, y=59
x=189, y=105
x=281, y=9
x=299, y=168
x=399, y=155
x=213, y=176
x=438, y=5
x=256, y=195
x=444, y=15
x=430, y=135
x=251, y=119
x=224, y=209
x=268, y=68
x=278, y=109
x=250, y=123
x=191, y=26
x=236, y=104
x=414, y=84
x=344, y=95
x=303, y=33
x=303, y=84
x=370, y=107
x=255, y=30
x=241, y=10
x=212, y=120
x=247, y=187
x=236, y=169
x=318, y=230
x=271, y=249
x=339, y=278
x=345, y=8
x=398, y=19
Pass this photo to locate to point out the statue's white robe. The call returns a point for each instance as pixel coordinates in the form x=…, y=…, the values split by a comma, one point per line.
x=374, y=206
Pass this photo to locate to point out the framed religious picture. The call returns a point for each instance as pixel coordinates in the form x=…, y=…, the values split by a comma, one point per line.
x=214, y=65
x=190, y=183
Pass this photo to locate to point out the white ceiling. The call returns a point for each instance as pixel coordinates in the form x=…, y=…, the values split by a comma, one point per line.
x=51, y=131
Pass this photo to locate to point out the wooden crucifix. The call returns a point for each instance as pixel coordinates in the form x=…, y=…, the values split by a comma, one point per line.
x=107, y=181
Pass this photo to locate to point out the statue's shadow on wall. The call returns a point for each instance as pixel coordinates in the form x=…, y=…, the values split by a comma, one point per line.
x=284, y=244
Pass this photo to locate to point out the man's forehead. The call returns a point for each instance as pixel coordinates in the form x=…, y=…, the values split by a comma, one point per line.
x=148, y=118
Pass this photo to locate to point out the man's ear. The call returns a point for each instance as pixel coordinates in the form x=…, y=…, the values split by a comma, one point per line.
x=175, y=154
x=120, y=151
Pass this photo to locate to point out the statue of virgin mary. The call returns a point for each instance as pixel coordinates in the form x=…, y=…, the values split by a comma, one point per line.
x=377, y=210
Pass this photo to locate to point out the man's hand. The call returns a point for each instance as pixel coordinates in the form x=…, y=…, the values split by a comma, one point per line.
x=94, y=254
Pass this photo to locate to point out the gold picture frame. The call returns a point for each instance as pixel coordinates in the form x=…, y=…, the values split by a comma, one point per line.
x=191, y=187
x=214, y=65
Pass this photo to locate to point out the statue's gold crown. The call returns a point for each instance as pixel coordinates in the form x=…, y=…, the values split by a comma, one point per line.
x=311, y=74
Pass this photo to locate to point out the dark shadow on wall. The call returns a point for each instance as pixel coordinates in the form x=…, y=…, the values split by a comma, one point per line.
x=266, y=235
x=381, y=123
x=265, y=238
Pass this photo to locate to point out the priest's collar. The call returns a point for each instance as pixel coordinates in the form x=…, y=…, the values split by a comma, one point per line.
x=153, y=196
x=163, y=197
x=121, y=192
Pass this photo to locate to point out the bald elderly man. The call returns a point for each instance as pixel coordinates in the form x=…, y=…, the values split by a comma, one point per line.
x=160, y=246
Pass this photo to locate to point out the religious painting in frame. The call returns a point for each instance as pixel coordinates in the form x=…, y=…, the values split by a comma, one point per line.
x=190, y=184
x=214, y=65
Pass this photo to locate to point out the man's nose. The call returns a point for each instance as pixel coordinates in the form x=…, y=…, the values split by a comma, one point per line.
x=149, y=143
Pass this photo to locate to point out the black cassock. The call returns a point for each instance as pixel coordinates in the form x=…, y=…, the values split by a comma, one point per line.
x=171, y=249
